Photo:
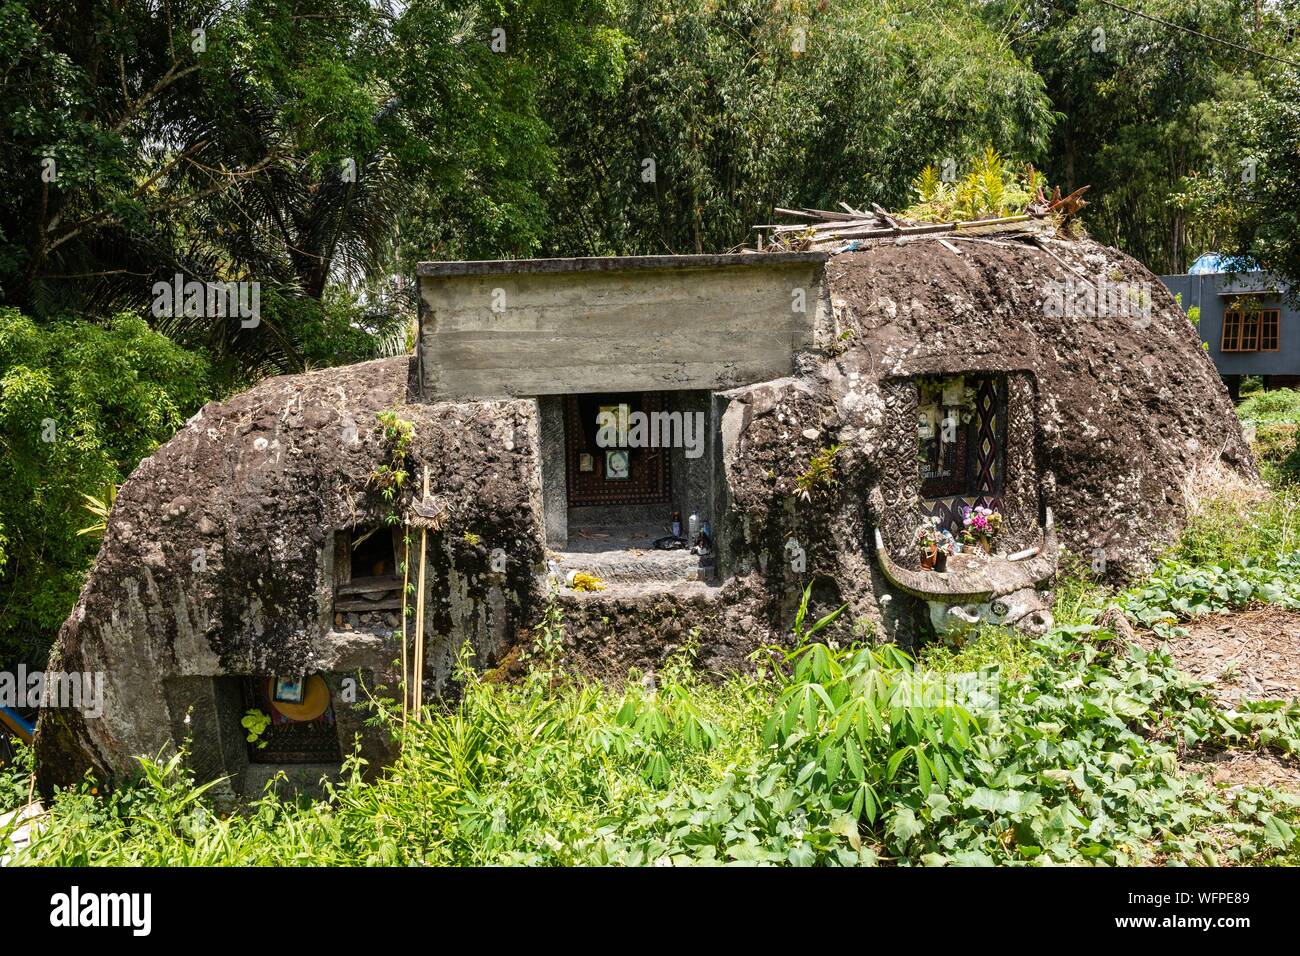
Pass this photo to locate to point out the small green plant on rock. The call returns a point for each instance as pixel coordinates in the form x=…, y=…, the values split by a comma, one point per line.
x=255, y=722
x=99, y=508
x=390, y=478
x=548, y=638
x=992, y=187
x=820, y=473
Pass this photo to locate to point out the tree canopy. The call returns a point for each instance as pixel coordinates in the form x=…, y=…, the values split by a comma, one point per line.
x=317, y=149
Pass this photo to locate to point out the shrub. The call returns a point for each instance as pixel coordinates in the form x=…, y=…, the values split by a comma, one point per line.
x=15, y=777
x=992, y=187
x=1277, y=405
x=80, y=405
x=827, y=755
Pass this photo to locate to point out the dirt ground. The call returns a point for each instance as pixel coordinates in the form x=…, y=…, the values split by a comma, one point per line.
x=1250, y=655
x=1245, y=768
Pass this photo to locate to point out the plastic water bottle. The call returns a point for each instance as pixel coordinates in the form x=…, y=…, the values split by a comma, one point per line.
x=693, y=523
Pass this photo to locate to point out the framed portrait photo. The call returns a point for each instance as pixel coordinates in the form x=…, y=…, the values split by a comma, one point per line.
x=586, y=461
x=618, y=465
x=289, y=690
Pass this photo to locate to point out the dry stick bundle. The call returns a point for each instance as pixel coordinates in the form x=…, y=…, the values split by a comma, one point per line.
x=877, y=233
x=834, y=225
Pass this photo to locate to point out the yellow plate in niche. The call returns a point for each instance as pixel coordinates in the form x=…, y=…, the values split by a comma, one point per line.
x=315, y=699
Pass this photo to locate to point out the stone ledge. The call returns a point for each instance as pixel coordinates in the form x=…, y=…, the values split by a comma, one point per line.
x=492, y=267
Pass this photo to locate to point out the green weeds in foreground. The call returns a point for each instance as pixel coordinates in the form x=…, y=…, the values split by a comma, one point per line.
x=1177, y=591
x=1228, y=530
x=828, y=755
x=1275, y=416
x=15, y=779
x=1006, y=750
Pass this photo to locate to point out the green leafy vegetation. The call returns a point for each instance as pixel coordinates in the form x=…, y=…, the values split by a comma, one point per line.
x=1277, y=450
x=1144, y=115
x=1276, y=405
x=16, y=779
x=1250, y=198
x=1231, y=528
x=1234, y=552
x=1177, y=591
x=1008, y=750
x=990, y=189
x=99, y=507
x=820, y=473
x=746, y=105
x=1275, y=417
x=391, y=477
x=80, y=405
x=255, y=722
x=1002, y=749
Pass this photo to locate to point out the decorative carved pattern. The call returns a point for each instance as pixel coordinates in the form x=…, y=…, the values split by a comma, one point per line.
x=1002, y=470
x=981, y=447
x=990, y=431
x=649, y=468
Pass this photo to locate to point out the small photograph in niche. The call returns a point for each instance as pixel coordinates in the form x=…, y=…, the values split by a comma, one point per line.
x=289, y=690
x=617, y=465
x=614, y=416
x=586, y=461
x=925, y=420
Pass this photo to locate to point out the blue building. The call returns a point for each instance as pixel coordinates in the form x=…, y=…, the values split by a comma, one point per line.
x=1247, y=318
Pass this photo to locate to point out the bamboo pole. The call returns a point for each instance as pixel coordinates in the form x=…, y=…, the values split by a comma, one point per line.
x=406, y=577
x=419, y=614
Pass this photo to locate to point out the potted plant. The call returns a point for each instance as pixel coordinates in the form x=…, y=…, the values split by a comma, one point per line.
x=981, y=526
x=926, y=540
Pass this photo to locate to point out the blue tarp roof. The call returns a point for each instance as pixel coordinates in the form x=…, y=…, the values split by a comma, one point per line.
x=1212, y=262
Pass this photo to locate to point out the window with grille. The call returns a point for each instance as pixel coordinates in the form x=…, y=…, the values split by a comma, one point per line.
x=1256, y=331
x=1269, y=322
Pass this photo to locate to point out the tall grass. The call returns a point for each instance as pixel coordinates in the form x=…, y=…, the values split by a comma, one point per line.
x=1231, y=528
x=1005, y=749
x=1060, y=749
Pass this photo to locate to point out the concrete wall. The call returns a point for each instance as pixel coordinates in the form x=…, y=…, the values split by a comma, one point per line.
x=692, y=478
x=552, y=461
x=1213, y=293
x=563, y=326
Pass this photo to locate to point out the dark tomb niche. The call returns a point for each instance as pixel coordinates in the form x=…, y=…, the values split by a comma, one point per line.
x=302, y=728
x=627, y=471
x=961, y=429
x=630, y=483
x=367, y=569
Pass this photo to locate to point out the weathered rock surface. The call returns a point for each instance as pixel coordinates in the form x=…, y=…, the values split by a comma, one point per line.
x=216, y=557
x=1132, y=417
x=216, y=562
